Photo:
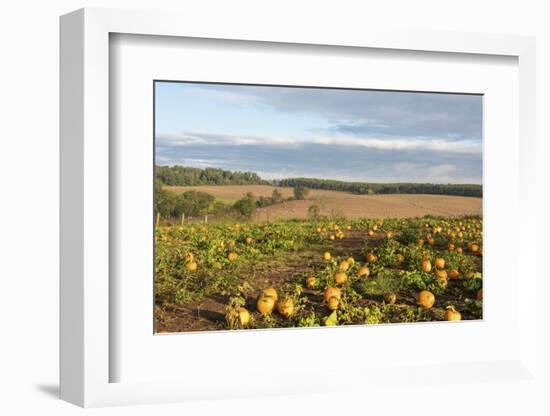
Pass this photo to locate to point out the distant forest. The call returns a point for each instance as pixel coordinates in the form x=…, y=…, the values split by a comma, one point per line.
x=187, y=176
x=364, y=188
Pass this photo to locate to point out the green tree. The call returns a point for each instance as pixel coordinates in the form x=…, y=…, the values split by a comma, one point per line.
x=173, y=204
x=384, y=188
x=188, y=176
x=277, y=196
x=165, y=201
x=300, y=192
x=246, y=206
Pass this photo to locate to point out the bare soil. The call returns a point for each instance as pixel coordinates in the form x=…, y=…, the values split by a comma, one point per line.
x=335, y=204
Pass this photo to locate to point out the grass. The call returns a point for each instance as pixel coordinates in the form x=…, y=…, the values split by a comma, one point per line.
x=226, y=200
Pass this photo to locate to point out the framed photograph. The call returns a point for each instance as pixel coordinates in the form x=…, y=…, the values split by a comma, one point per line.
x=328, y=207
x=270, y=205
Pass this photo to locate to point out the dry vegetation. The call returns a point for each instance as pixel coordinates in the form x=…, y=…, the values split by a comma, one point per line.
x=337, y=204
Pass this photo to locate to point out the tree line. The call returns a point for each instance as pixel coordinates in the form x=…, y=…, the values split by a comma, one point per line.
x=187, y=176
x=365, y=188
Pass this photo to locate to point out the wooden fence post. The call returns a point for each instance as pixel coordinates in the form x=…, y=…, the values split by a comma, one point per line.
x=182, y=218
x=158, y=218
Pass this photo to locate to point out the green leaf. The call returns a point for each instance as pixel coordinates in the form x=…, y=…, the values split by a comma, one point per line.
x=332, y=319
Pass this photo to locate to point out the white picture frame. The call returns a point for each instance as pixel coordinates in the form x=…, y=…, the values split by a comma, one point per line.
x=86, y=353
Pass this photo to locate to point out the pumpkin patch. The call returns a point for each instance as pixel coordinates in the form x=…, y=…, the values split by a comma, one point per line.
x=292, y=274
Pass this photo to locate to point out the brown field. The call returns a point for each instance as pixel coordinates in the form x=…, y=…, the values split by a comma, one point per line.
x=342, y=204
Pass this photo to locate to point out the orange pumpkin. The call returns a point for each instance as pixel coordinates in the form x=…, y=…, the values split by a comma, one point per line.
x=332, y=292
x=311, y=282
x=271, y=292
x=439, y=263
x=265, y=304
x=363, y=271
x=454, y=274
x=441, y=278
x=191, y=266
x=244, y=316
x=452, y=314
x=286, y=307
x=340, y=278
x=333, y=303
x=426, y=266
x=425, y=299
x=343, y=266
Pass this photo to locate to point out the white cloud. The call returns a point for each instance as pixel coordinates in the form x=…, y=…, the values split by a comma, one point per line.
x=437, y=173
x=385, y=143
x=435, y=145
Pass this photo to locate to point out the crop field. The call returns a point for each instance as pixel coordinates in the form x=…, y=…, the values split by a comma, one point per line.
x=335, y=203
x=326, y=272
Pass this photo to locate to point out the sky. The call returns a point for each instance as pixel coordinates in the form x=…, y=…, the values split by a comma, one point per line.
x=350, y=135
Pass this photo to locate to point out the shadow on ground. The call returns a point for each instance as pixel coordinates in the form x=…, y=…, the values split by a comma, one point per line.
x=51, y=390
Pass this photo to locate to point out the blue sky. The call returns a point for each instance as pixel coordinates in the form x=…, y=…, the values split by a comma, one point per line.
x=355, y=135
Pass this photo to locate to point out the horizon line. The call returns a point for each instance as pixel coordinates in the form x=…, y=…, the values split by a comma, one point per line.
x=318, y=178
